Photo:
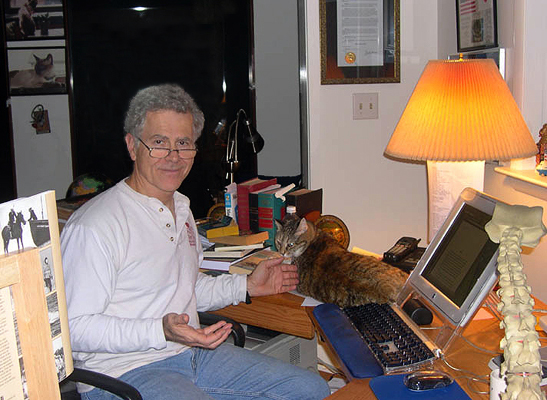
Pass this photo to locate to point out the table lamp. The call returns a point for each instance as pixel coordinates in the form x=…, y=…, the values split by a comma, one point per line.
x=253, y=141
x=460, y=115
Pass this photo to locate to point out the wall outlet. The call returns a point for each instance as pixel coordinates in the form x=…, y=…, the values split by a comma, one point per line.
x=365, y=106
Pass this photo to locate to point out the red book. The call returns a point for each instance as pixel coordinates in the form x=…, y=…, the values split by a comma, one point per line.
x=243, y=190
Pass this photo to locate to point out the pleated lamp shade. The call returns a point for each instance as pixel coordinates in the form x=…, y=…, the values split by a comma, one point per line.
x=461, y=110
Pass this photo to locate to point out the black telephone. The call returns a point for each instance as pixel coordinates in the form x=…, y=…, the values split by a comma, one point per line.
x=404, y=254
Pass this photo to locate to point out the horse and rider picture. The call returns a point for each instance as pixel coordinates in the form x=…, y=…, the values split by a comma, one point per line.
x=21, y=226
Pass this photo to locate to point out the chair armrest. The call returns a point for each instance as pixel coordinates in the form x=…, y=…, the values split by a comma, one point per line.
x=105, y=382
x=238, y=332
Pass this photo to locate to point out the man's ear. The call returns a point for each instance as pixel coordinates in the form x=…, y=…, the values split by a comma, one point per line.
x=130, y=142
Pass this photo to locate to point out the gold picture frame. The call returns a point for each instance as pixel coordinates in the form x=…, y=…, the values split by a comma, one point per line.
x=374, y=33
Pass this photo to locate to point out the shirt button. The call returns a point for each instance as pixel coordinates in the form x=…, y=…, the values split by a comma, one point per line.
x=168, y=225
x=171, y=238
x=161, y=209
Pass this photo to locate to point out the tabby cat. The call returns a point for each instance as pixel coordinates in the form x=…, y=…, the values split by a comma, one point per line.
x=331, y=274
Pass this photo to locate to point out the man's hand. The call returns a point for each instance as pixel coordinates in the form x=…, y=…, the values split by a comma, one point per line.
x=272, y=277
x=176, y=329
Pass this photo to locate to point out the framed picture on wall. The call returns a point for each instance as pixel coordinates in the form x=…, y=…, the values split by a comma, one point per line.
x=33, y=19
x=37, y=71
x=360, y=41
x=476, y=23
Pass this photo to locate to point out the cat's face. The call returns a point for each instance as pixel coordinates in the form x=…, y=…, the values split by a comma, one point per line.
x=44, y=67
x=292, y=237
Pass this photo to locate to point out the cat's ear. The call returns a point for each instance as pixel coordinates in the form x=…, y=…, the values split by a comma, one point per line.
x=302, y=227
x=278, y=225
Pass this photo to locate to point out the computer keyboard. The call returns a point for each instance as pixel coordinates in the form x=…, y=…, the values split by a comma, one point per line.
x=393, y=343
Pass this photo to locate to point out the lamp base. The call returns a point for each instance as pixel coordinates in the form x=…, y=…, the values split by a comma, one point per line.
x=445, y=182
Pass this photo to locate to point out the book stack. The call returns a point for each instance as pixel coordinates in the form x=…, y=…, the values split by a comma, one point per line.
x=241, y=239
x=225, y=251
x=271, y=206
x=253, y=206
x=243, y=190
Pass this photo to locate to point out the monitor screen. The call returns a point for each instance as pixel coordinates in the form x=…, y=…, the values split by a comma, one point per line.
x=462, y=257
x=458, y=268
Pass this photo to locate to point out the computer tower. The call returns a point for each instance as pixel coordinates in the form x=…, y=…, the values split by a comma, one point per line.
x=291, y=349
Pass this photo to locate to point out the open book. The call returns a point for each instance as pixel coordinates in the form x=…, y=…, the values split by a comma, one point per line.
x=247, y=264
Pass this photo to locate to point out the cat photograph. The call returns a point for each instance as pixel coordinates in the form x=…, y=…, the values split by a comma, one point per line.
x=42, y=72
x=24, y=26
x=45, y=75
x=330, y=273
x=29, y=20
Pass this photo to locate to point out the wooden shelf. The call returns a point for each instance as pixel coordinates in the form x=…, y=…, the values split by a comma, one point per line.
x=528, y=175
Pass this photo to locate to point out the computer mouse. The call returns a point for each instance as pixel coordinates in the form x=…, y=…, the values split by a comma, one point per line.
x=427, y=380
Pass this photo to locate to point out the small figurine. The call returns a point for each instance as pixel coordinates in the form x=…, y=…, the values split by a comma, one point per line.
x=541, y=145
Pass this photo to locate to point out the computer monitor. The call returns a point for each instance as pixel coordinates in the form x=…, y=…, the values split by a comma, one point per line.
x=458, y=268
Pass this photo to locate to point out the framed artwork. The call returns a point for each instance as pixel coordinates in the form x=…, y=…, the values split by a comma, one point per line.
x=360, y=41
x=33, y=19
x=476, y=23
x=37, y=71
x=497, y=54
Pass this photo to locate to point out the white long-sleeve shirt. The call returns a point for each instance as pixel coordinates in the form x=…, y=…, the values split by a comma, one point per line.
x=127, y=262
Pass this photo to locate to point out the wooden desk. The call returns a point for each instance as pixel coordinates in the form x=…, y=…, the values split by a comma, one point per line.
x=484, y=333
x=280, y=312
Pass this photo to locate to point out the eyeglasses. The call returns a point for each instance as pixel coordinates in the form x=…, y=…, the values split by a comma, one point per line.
x=158, y=152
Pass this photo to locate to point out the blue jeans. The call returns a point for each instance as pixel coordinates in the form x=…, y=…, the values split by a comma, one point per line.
x=227, y=372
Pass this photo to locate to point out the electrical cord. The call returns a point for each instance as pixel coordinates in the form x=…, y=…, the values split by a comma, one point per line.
x=335, y=371
x=478, y=347
x=470, y=376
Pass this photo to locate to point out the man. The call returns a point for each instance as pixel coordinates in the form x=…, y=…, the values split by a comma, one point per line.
x=131, y=257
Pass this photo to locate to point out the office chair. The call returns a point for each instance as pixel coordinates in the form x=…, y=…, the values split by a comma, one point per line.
x=124, y=390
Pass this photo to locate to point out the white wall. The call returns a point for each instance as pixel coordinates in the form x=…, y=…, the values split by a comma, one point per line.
x=529, y=59
x=380, y=200
x=277, y=90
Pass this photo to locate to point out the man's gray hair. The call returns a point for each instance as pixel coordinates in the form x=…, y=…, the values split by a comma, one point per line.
x=166, y=97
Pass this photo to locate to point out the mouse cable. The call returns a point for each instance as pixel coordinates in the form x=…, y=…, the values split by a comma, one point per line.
x=469, y=376
x=477, y=346
x=335, y=371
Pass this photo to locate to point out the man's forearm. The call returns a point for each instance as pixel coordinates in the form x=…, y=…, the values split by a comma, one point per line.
x=102, y=333
x=217, y=292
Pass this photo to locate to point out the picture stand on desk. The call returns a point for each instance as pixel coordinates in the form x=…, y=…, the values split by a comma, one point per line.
x=35, y=351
